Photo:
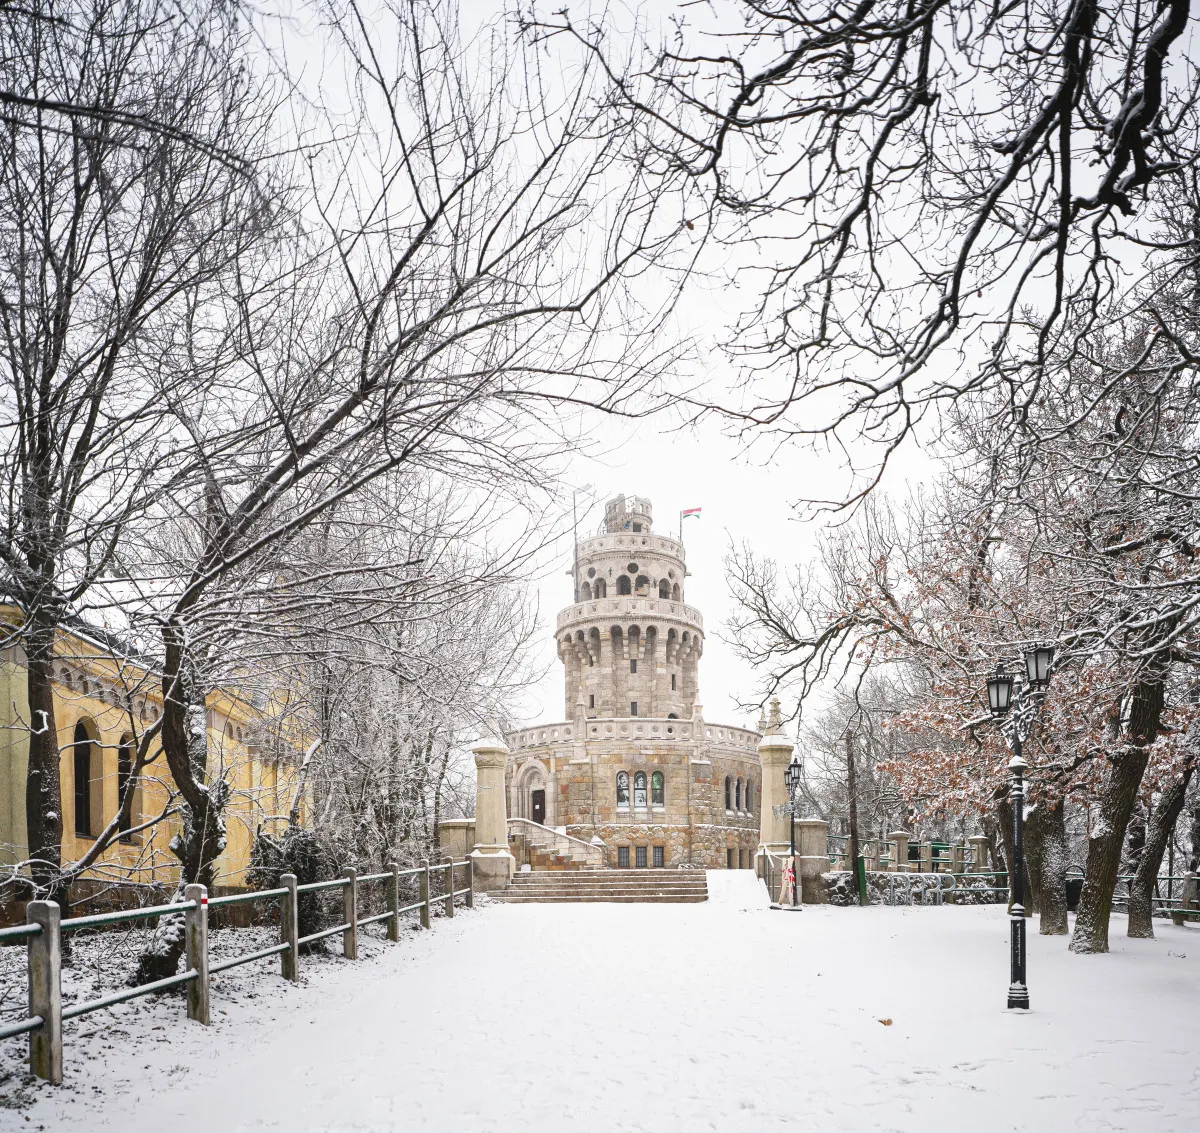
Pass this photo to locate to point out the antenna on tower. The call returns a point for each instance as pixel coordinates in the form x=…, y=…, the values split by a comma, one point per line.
x=575, y=537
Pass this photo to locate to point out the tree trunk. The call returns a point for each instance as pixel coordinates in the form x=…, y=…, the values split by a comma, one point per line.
x=1004, y=819
x=1117, y=798
x=1135, y=839
x=1194, y=841
x=1047, y=823
x=43, y=788
x=1035, y=831
x=1158, y=833
x=203, y=836
x=852, y=793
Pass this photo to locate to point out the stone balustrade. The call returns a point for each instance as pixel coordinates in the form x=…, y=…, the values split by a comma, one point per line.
x=636, y=728
x=631, y=541
x=631, y=607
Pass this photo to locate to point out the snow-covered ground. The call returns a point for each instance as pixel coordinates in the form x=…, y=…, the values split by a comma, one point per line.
x=656, y=1018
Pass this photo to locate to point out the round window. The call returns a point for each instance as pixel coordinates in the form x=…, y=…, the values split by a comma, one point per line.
x=632, y=568
x=670, y=574
x=591, y=572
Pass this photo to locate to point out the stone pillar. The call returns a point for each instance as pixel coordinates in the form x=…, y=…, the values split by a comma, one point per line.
x=979, y=853
x=957, y=858
x=774, y=754
x=870, y=853
x=812, y=859
x=899, y=840
x=493, y=865
x=927, y=857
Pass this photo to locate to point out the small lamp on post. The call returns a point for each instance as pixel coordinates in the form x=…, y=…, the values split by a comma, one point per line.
x=999, y=689
x=1026, y=699
x=1038, y=662
x=791, y=779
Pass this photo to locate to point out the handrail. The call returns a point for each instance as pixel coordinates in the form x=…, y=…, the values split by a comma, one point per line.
x=73, y=924
x=44, y=931
x=552, y=832
x=546, y=835
x=20, y=932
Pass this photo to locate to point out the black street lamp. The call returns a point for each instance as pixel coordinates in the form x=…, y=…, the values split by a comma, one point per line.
x=1025, y=701
x=791, y=779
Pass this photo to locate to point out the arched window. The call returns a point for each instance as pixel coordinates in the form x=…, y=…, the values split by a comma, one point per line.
x=737, y=795
x=643, y=584
x=601, y=589
x=622, y=788
x=664, y=589
x=639, y=789
x=728, y=792
x=675, y=592
x=82, y=753
x=124, y=774
x=657, y=793
x=585, y=592
x=623, y=586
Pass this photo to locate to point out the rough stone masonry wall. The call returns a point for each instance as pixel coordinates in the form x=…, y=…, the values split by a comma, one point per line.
x=703, y=843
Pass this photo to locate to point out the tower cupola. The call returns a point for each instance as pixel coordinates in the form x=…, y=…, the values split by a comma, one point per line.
x=628, y=513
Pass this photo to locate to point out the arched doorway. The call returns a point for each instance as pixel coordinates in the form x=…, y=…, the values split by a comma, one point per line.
x=533, y=798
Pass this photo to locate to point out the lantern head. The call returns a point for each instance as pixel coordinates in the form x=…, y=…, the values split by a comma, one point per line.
x=1038, y=662
x=791, y=776
x=999, y=686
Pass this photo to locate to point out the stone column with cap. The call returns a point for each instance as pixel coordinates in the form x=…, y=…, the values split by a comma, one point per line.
x=774, y=754
x=491, y=861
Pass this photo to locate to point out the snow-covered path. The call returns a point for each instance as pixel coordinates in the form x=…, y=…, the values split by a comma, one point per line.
x=656, y=1018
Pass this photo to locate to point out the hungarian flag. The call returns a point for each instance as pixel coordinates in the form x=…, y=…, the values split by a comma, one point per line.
x=689, y=511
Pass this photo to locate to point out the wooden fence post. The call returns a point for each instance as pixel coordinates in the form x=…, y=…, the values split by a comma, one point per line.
x=470, y=883
x=450, y=888
x=393, y=900
x=350, y=914
x=289, y=929
x=426, y=914
x=45, y=991
x=196, y=937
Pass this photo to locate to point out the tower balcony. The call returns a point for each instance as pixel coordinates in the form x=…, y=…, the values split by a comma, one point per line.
x=629, y=607
x=631, y=542
x=640, y=729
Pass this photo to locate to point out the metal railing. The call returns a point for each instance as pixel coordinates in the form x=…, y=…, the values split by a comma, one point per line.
x=43, y=934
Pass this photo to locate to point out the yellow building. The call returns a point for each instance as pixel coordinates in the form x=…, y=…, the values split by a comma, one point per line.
x=103, y=698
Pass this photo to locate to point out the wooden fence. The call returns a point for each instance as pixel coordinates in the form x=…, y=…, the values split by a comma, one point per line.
x=44, y=929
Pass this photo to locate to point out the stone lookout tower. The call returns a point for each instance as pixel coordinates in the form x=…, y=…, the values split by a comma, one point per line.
x=635, y=766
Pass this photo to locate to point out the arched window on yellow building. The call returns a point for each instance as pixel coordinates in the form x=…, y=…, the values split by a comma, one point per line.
x=85, y=769
x=126, y=754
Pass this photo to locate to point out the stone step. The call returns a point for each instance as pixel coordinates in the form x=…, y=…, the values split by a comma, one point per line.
x=613, y=898
x=632, y=892
x=640, y=875
x=625, y=886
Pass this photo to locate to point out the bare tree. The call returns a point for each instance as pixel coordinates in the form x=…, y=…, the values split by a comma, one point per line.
x=918, y=181
x=110, y=237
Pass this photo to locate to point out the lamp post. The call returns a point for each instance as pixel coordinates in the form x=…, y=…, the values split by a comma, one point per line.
x=791, y=779
x=1016, y=706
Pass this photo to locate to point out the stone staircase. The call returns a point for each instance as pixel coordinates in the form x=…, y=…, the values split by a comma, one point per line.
x=660, y=886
